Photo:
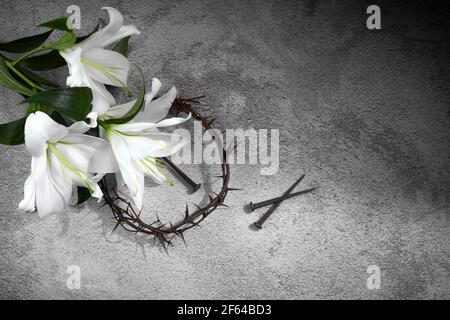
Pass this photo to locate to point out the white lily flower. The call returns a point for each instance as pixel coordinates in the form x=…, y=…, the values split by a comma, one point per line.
x=136, y=146
x=93, y=66
x=153, y=110
x=60, y=159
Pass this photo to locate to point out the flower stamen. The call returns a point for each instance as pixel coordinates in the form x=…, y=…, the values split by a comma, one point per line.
x=67, y=164
x=108, y=71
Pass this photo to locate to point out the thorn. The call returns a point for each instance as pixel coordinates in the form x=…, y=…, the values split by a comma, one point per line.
x=211, y=122
x=233, y=189
x=186, y=214
x=180, y=234
x=195, y=224
x=155, y=222
x=139, y=213
x=163, y=244
x=117, y=224
x=224, y=205
x=195, y=98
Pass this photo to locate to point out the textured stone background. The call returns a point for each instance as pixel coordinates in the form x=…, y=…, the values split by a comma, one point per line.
x=365, y=114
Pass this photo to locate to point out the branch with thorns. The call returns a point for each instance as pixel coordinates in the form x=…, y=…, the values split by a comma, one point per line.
x=129, y=218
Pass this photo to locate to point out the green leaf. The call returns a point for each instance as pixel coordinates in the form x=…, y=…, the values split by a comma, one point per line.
x=66, y=41
x=33, y=107
x=43, y=62
x=56, y=24
x=58, y=118
x=72, y=102
x=122, y=46
x=83, y=194
x=51, y=60
x=36, y=78
x=134, y=109
x=7, y=80
x=12, y=133
x=25, y=44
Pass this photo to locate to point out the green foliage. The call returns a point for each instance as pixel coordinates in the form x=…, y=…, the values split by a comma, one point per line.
x=134, y=109
x=122, y=46
x=83, y=195
x=12, y=133
x=56, y=24
x=43, y=62
x=75, y=102
x=8, y=80
x=36, y=78
x=66, y=41
x=25, y=44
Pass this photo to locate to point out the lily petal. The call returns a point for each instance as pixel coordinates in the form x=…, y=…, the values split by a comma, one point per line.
x=106, y=66
x=29, y=198
x=79, y=149
x=82, y=127
x=54, y=190
x=101, y=98
x=125, y=163
x=133, y=127
x=120, y=110
x=140, y=146
x=172, y=121
x=157, y=109
x=156, y=85
x=173, y=143
x=121, y=185
x=151, y=170
x=139, y=197
x=40, y=129
x=124, y=31
x=103, y=160
x=103, y=37
x=73, y=58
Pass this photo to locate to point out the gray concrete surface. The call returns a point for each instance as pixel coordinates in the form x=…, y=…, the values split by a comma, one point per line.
x=365, y=114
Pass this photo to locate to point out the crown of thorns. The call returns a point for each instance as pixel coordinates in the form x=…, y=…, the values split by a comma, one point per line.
x=164, y=233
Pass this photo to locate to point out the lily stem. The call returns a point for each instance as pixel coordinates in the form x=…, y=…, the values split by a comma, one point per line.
x=29, y=53
x=23, y=77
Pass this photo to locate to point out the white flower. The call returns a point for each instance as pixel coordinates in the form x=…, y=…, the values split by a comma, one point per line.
x=93, y=66
x=60, y=159
x=136, y=146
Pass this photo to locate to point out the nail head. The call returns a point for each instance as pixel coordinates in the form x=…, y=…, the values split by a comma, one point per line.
x=196, y=187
